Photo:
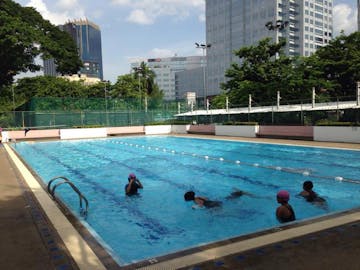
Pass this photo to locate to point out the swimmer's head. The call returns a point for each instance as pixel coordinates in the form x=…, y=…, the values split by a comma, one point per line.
x=189, y=196
x=283, y=196
x=131, y=176
x=308, y=185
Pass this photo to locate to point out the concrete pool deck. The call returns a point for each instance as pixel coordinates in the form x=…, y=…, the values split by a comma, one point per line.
x=29, y=240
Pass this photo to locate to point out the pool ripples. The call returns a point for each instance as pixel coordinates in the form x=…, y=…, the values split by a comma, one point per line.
x=152, y=225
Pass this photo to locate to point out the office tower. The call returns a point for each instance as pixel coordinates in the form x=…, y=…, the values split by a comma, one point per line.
x=165, y=70
x=87, y=36
x=358, y=10
x=190, y=81
x=231, y=24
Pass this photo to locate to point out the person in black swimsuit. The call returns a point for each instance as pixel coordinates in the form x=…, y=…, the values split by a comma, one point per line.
x=284, y=213
x=238, y=193
x=309, y=194
x=131, y=188
x=201, y=201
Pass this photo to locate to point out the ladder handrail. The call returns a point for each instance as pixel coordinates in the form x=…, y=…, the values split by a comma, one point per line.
x=71, y=184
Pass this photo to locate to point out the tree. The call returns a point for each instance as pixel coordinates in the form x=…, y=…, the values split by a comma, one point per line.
x=24, y=35
x=126, y=86
x=147, y=80
x=48, y=86
x=340, y=61
x=138, y=85
x=266, y=70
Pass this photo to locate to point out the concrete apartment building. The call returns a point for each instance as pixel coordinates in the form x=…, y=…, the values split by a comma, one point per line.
x=232, y=24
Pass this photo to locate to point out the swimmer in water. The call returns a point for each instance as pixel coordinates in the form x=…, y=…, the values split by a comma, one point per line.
x=311, y=196
x=284, y=213
x=201, y=201
x=131, y=188
x=237, y=193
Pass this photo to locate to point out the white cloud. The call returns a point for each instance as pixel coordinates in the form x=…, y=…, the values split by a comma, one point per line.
x=67, y=4
x=69, y=9
x=147, y=11
x=344, y=18
x=161, y=53
x=139, y=16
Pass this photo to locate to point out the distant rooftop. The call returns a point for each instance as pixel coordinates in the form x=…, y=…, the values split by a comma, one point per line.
x=84, y=22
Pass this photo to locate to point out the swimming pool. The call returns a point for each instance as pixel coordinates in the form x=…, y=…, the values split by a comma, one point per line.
x=159, y=221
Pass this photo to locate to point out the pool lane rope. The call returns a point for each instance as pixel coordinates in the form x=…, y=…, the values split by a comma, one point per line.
x=238, y=162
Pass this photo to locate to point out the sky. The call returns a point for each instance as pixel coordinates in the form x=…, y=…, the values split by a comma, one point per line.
x=141, y=29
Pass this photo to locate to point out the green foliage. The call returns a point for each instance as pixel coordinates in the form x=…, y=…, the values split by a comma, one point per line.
x=340, y=61
x=326, y=122
x=24, y=34
x=126, y=86
x=333, y=70
x=263, y=72
x=232, y=123
x=46, y=86
x=139, y=85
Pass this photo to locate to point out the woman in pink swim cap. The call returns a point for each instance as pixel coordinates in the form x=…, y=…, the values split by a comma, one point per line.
x=284, y=213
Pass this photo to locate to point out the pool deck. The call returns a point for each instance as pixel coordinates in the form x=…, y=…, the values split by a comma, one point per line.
x=31, y=240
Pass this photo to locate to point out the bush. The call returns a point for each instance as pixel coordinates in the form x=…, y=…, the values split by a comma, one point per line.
x=240, y=123
x=167, y=122
x=325, y=122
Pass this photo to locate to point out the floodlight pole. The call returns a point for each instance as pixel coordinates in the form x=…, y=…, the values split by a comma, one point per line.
x=138, y=71
x=204, y=47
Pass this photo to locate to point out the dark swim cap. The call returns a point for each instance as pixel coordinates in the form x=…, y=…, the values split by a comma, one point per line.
x=308, y=185
x=189, y=196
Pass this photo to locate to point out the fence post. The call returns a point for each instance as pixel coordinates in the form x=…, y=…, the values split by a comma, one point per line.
x=23, y=120
x=146, y=104
x=313, y=98
x=358, y=94
x=278, y=100
x=227, y=104
x=250, y=101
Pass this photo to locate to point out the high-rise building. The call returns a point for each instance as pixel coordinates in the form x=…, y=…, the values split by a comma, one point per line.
x=166, y=68
x=87, y=36
x=190, y=81
x=358, y=10
x=231, y=24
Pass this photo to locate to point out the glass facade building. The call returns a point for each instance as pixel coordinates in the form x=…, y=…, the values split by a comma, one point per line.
x=232, y=24
x=87, y=36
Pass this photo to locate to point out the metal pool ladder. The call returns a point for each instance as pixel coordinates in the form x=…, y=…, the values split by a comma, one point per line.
x=64, y=180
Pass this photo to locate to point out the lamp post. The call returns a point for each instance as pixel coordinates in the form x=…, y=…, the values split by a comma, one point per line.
x=138, y=71
x=203, y=47
x=278, y=26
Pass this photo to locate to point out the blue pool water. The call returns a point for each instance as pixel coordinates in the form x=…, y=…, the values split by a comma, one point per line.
x=159, y=221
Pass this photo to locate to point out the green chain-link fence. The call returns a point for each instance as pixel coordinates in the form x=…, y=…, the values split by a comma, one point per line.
x=96, y=112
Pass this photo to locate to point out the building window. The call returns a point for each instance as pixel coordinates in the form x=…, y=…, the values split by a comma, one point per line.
x=319, y=16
